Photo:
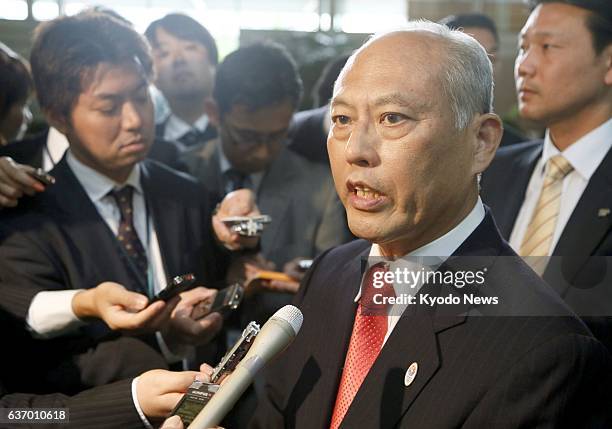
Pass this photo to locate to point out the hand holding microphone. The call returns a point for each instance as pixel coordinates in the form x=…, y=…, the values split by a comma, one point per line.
x=276, y=334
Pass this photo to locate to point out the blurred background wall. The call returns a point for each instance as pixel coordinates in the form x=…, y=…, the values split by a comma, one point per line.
x=313, y=30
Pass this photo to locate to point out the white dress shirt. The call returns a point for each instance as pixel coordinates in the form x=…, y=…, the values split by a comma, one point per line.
x=176, y=128
x=429, y=256
x=50, y=313
x=55, y=147
x=585, y=156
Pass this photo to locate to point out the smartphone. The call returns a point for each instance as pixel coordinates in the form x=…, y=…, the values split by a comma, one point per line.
x=227, y=299
x=175, y=286
x=43, y=177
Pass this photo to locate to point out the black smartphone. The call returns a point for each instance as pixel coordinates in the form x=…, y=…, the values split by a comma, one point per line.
x=43, y=177
x=227, y=299
x=175, y=286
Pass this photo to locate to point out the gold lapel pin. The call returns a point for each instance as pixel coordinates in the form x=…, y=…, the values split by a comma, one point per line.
x=603, y=212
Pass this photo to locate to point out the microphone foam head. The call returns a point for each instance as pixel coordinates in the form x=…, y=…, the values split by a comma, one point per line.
x=291, y=315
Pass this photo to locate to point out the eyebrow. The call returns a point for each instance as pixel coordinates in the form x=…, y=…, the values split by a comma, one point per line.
x=384, y=100
x=111, y=96
x=538, y=34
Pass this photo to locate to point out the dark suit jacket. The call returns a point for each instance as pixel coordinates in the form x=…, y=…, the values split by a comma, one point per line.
x=30, y=150
x=103, y=407
x=473, y=372
x=57, y=240
x=579, y=271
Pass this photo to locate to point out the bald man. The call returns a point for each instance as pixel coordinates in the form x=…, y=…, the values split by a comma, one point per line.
x=412, y=129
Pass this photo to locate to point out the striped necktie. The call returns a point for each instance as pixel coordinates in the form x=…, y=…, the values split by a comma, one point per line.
x=539, y=235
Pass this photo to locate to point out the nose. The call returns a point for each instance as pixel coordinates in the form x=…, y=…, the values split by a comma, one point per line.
x=360, y=148
x=132, y=116
x=524, y=65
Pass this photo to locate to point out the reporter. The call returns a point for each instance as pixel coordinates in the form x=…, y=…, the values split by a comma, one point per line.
x=131, y=403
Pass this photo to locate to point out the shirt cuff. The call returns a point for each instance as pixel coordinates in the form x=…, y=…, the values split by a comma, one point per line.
x=144, y=419
x=50, y=313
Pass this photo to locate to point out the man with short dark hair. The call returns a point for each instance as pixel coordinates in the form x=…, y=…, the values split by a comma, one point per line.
x=552, y=198
x=103, y=240
x=185, y=56
x=257, y=90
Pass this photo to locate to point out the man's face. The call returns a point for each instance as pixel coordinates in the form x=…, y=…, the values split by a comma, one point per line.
x=403, y=172
x=111, y=125
x=558, y=76
x=252, y=139
x=182, y=67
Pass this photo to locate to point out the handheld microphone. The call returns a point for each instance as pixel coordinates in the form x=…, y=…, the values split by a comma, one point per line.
x=275, y=335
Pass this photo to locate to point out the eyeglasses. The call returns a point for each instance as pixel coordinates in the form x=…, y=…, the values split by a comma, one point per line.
x=250, y=138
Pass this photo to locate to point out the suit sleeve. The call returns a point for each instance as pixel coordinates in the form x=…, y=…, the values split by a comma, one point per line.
x=100, y=407
x=25, y=270
x=565, y=382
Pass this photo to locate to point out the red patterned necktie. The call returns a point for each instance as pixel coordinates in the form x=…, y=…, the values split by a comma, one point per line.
x=369, y=331
x=126, y=234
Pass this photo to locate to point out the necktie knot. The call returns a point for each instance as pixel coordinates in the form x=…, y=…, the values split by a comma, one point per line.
x=123, y=198
x=558, y=167
x=374, y=288
x=235, y=180
x=192, y=137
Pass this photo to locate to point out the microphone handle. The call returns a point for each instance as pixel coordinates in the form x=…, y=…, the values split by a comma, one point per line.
x=229, y=393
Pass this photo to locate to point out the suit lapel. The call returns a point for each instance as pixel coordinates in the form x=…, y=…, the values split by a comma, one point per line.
x=165, y=214
x=334, y=301
x=585, y=229
x=80, y=220
x=520, y=174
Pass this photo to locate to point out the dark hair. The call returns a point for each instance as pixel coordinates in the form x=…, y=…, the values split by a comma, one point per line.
x=15, y=80
x=186, y=28
x=67, y=50
x=324, y=86
x=478, y=20
x=599, y=21
x=257, y=76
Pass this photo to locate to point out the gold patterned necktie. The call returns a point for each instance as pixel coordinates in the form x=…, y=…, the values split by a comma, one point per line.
x=539, y=234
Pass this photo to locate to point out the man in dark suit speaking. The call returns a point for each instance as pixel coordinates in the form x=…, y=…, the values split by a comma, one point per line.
x=412, y=128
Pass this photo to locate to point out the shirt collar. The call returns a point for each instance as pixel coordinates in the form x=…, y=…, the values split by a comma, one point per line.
x=586, y=153
x=96, y=185
x=435, y=253
x=177, y=128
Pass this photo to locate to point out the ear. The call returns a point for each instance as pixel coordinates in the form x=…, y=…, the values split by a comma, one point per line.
x=58, y=122
x=489, y=131
x=608, y=57
x=211, y=108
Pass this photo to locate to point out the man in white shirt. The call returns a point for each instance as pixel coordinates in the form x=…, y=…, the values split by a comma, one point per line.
x=185, y=57
x=101, y=242
x=552, y=199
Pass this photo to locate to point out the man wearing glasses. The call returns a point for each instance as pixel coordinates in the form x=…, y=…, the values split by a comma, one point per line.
x=257, y=89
